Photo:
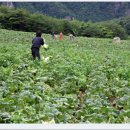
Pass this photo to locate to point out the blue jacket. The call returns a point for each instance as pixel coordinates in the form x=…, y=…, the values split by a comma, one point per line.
x=37, y=42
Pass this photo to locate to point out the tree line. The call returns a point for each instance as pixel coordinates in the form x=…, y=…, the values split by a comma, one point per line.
x=23, y=20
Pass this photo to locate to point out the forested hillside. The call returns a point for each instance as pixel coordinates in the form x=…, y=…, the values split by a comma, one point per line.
x=84, y=11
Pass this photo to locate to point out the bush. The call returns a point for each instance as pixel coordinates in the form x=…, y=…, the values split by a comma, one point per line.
x=117, y=30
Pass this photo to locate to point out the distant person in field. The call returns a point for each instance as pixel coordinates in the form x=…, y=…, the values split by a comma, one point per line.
x=71, y=36
x=117, y=40
x=61, y=35
x=53, y=35
x=36, y=44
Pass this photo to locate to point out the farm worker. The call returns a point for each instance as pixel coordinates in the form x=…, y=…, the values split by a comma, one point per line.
x=53, y=35
x=71, y=36
x=36, y=44
x=61, y=35
x=117, y=40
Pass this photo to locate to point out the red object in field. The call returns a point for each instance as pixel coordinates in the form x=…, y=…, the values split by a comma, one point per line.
x=61, y=35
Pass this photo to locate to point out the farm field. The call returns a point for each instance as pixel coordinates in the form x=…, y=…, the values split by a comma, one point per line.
x=83, y=81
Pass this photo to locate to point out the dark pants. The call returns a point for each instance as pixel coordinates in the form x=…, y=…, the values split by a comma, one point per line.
x=35, y=53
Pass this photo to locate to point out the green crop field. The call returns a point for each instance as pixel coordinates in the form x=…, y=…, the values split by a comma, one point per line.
x=81, y=81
